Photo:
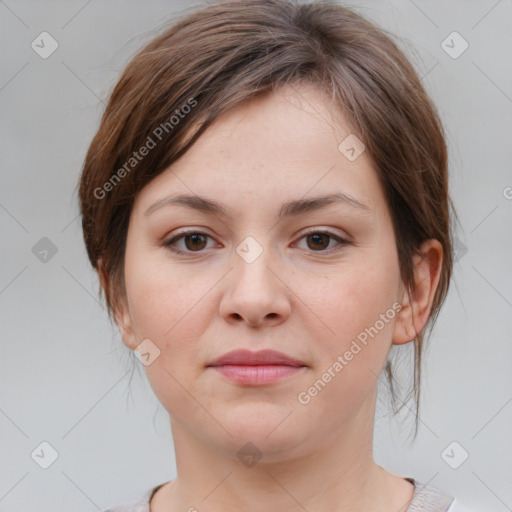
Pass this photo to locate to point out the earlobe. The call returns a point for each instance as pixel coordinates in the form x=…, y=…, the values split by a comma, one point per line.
x=417, y=304
x=120, y=308
x=124, y=323
x=403, y=332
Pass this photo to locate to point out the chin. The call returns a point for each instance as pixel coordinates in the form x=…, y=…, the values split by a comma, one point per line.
x=272, y=437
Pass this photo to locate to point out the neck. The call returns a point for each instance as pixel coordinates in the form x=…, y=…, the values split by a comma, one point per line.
x=338, y=474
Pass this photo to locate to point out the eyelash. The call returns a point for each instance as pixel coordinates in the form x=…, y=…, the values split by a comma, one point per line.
x=169, y=244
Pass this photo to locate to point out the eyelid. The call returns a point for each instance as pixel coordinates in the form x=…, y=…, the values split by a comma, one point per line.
x=343, y=236
x=343, y=240
x=182, y=234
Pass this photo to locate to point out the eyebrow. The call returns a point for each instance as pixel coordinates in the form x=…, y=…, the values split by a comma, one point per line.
x=291, y=208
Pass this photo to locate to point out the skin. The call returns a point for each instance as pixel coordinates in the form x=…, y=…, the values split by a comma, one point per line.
x=306, y=297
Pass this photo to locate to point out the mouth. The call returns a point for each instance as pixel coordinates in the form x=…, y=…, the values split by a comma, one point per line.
x=257, y=368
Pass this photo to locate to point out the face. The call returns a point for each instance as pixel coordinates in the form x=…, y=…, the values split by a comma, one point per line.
x=319, y=282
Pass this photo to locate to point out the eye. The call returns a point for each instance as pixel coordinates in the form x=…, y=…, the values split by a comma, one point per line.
x=319, y=241
x=194, y=241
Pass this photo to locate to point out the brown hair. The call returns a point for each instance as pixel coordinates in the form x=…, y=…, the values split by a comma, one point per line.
x=222, y=55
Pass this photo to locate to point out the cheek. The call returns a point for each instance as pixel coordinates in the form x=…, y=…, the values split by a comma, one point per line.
x=171, y=309
x=164, y=302
x=359, y=307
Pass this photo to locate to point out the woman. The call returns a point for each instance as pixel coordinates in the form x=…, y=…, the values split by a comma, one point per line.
x=266, y=204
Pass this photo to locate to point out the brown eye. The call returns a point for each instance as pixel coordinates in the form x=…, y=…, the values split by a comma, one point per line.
x=318, y=241
x=193, y=241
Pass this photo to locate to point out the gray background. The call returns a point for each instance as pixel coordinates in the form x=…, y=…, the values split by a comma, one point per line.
x=64, y=373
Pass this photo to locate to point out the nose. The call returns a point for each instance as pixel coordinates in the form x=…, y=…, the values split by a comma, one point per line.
x=255, y=293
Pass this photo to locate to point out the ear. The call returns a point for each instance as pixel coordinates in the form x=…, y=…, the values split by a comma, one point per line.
x=120, y=307
x=416, y=306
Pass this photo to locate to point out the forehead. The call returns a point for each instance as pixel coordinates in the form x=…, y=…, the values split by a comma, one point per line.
x=273, y=146
x=288, y=124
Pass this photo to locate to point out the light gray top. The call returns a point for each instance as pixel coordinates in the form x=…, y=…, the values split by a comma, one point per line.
x=426, y=499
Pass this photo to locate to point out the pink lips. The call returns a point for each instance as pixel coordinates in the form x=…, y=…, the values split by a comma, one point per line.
x=256, y=368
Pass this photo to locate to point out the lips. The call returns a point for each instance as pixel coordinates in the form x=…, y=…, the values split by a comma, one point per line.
x=262, y=368
x=259, y=358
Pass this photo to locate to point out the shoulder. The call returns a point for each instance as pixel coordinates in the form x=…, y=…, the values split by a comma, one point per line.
x=428, y=498
x=457, y=506
x=141, y=505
